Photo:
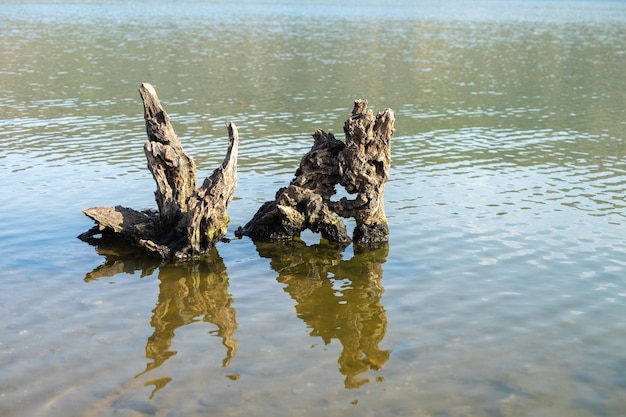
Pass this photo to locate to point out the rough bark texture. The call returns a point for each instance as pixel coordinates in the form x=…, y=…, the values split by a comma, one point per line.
x=364, y=170
x=173, y=170
x=189, y=220
x=304, y=204
x=361, y=165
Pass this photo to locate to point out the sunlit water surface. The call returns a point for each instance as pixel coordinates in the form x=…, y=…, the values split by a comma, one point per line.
x=502, y=291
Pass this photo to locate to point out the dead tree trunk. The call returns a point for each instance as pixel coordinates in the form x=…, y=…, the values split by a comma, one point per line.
x=190, y=220
x=364, y=167
x=361, y=165
x=173, y=170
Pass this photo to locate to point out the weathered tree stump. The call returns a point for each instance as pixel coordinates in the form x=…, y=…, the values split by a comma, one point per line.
x=361, y=165
x=189, y=220
x=304, y=204
x=364, y=170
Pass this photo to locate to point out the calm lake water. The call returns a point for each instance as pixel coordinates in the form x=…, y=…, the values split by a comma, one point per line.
x=502, y=291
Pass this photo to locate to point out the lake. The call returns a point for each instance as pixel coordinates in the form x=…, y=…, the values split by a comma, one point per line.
x=502, y=291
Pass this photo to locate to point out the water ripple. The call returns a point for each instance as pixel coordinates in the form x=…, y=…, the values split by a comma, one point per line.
x=500, y=167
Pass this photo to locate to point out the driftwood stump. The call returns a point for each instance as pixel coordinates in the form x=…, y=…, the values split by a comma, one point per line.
x=361, y=165
x=189, y=220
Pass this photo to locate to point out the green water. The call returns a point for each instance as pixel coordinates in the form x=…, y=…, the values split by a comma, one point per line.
x=501, y=293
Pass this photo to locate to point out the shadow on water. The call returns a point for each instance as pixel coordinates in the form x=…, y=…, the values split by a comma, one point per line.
x=337, y=299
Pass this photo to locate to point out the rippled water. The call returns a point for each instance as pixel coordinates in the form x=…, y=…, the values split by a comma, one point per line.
x=502, y=290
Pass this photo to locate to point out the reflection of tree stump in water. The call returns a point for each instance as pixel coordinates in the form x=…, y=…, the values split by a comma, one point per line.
x=186, y=293
x=121, y=258
x=352, y=314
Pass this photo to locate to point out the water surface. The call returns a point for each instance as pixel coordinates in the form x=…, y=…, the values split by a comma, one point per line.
x=501, y=292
